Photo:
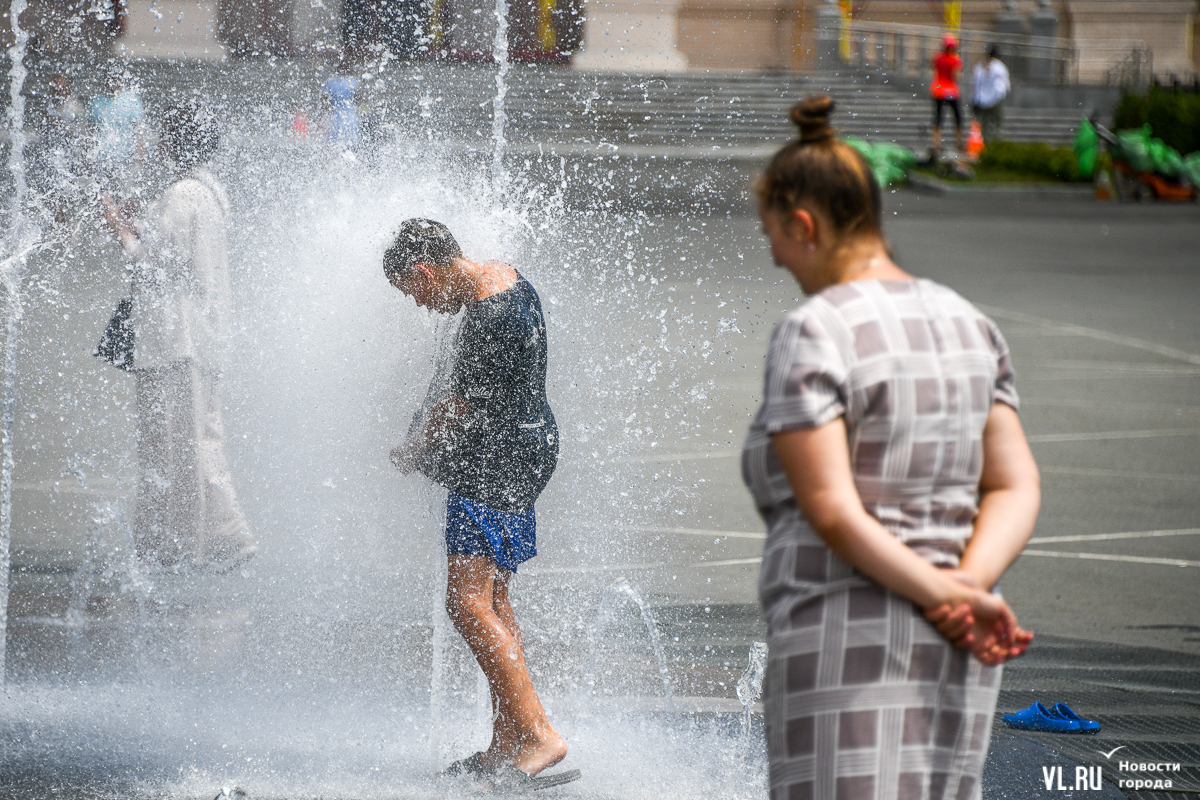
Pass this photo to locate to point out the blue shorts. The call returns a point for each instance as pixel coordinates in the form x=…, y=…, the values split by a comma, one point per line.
x=473, y=529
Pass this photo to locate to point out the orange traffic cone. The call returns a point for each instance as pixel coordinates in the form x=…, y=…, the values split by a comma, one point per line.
x=974, y=141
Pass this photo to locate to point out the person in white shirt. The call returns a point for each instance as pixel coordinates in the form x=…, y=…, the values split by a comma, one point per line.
x=186, y=512
x=992, y=86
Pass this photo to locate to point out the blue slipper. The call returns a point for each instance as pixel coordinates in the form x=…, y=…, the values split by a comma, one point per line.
x=1063, y=711
x=1038, y=718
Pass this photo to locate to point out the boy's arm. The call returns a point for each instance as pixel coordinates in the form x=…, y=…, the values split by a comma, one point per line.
x=443, y=418
x=484, y=364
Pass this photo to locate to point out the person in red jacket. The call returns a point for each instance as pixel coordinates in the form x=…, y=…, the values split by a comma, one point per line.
x=944, y=88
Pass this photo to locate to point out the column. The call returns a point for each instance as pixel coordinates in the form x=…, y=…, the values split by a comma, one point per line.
x=1043, y=22
x=170, y=29
x=829, y=36
x=631, y=35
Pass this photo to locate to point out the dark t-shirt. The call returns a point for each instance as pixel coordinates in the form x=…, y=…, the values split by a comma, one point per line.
x=507, y=446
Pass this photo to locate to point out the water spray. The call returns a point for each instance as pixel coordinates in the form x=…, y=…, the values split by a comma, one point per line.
x=12, y=271
x=626, y=588
x=500, y=53
x=749, y=686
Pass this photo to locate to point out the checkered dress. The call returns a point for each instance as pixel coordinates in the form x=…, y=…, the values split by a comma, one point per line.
x=864, y=699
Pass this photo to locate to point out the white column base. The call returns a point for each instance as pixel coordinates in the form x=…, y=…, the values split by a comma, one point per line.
x=631, y=36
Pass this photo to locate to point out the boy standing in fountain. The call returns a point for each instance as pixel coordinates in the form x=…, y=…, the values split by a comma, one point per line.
x=488, y=435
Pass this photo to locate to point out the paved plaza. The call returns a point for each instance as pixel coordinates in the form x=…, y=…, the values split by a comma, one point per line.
x=1098, y=304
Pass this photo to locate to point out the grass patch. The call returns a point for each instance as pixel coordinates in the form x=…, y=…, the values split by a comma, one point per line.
x=990, y=174
x=1043, y=162
x=1012, y=162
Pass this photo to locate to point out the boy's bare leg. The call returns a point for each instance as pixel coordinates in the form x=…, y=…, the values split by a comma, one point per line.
x=477, y=601
x=505, y=737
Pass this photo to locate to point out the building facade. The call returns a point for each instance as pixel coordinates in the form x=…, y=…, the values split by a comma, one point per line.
x=634, y=35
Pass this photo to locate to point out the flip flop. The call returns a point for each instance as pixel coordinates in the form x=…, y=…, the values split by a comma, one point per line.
x=510, y=779
x=1038, y=718
x=471, y=765
x=1064, y=711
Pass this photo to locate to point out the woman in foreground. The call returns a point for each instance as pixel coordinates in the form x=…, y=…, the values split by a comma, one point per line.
x=897, y=486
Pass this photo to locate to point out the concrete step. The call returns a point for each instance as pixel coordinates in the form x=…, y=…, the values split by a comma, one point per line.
x=736, y=109
x=561, y=105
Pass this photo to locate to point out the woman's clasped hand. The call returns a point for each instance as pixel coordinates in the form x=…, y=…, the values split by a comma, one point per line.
x=980, y=622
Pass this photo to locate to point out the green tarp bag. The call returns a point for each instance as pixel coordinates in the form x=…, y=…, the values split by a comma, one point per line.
x=1147, y=154
x=1086, y=145
x=889, y=162
x=1133, y=146
x=1191, y=168
x=1166, y=159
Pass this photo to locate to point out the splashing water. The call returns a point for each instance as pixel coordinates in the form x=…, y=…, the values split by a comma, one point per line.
x=330, y=688
x=624, y=588
x=101, y=10
x=749, y=686
x=20, y=241
x=500, y=54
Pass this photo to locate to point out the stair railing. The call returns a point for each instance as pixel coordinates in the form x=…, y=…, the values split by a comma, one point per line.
x=1132, y=68
x=906, y=50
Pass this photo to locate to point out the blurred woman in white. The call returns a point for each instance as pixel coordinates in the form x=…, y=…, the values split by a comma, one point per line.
x=187, y=514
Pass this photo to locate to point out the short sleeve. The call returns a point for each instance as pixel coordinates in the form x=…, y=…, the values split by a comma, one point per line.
x=1005, y=388
x=806, y=377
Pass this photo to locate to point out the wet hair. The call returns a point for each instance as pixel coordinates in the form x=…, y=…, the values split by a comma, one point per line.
x=419, y=241
x=820, y=172
x=190, y=133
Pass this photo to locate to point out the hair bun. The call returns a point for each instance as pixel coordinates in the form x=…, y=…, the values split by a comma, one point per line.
x=811, y=116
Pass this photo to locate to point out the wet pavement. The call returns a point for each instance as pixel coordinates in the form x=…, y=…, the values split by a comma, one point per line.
x=1098, y=305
